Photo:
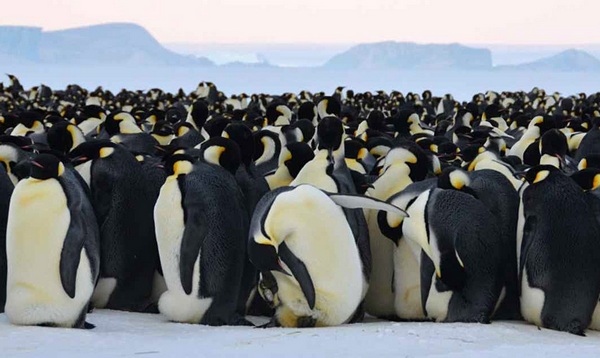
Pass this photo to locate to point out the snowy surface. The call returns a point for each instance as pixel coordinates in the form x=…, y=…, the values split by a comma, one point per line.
x=120, y=334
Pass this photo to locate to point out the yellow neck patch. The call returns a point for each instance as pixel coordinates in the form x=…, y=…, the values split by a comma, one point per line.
x=106, y=152
x=213, y=154
x=541, y=176
x=182, y=167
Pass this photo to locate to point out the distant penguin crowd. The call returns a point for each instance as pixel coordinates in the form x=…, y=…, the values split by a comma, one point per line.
x=311, y=209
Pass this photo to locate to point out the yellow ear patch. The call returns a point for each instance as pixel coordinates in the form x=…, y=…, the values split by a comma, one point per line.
x=582, y=164
x=139, y=158
x=213, y=154
x=182, y=130
x=182, y=167
x=261, y=240
x=225, y=135
x=287, y=155
x=394, y=220
x=458, y=180
x=120, y=117
x=433, y=148
x=106, y=152
x=543, y=174
x=61, y=168
x=481, y=150
x=362, y=153
x=596, y=182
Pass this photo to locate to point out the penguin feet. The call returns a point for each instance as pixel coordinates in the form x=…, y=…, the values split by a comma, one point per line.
x=240, y=321
x=271, y=324
x=87, y=325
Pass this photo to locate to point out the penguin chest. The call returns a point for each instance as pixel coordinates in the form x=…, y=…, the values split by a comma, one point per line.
x=38, y=223
x=407, y=283
x=532, y=300
x=85, y=170
x=333, y=263
x=314, y=173
x=37, y=226
x=437, y=302
x=170, y=226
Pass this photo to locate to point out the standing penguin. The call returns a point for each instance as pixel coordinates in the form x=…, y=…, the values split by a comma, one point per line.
x=499, y=196
x=456, y=241
x=123, y=203
x=201, y=225
x=52, y=247
x=559, y=272
x=311, y=268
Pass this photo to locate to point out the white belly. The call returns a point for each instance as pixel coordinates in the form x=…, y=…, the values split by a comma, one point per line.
x=85, y=170
x=379, y=300
x=532, y=301
x=407, y=282
x=37, y=225
x=595, y=324
x=169, y=227
x=328, y=251
x=437, y=302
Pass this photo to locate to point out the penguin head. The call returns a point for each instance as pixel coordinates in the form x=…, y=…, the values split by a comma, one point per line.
x=242, y=135
x=121, y=123
x=328, y=107
x=453, y=178
x=223, y=152
x=589, y=161
x=179, y=164
x=308, y=111
x=198, y=114
x=295, y=155
x=92, y=150
x=64, y=136
x=330, y=133
x=540, y=173
x=264, y=254
x=411, y=156
x=216, y=125
x=587, y=179
x=278, y=114
x=46, y=166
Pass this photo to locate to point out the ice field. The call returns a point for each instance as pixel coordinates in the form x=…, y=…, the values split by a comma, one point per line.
x=123, y=334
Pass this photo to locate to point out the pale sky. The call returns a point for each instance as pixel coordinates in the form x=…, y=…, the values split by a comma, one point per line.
x=326, y=21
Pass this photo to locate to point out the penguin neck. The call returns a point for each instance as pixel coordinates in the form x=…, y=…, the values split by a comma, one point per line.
x=393, y=180
x=269, y=152
x=280, y=178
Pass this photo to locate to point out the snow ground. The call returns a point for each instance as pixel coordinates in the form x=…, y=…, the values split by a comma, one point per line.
x=122, y=334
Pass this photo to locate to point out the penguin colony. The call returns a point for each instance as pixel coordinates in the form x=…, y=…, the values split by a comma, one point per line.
x=311, y=209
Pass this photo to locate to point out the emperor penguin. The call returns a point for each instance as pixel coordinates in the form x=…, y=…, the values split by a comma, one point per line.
x=328, y=171
x=401, y=167
x=64, y=137
x=6, y=189
x=268, y=149
x=292, y=159
x=457, y=243
x=52, y=248
x=405, y=279
x=560, y=251
x=500, y=197
x=311, y=269
x=201, y=229
x=123, y=129
x=123, y=201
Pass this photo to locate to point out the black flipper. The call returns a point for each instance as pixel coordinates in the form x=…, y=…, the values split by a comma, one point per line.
x=72, y=244
x=528, y=232
x=195, y=228
x=300, y=273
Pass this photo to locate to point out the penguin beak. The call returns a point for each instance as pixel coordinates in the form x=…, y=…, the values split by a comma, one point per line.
x=78, y=160
x=37, y=164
